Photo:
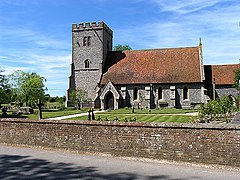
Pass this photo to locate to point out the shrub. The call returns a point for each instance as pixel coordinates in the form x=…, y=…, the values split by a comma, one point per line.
x=217, y=110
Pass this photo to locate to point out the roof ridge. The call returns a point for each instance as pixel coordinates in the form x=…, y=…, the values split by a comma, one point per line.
x=225, y=64
x=155, y=49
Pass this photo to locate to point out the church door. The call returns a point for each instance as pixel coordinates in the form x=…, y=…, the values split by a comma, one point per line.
x=109, y=101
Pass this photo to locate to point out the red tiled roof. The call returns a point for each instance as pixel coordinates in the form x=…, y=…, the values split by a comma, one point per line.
x=224, y=74
x=171, y=65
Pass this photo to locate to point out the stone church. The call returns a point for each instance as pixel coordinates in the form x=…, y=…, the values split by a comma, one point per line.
x=154, y=78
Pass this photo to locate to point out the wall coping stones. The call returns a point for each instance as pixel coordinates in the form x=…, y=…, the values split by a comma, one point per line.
x=210, y=126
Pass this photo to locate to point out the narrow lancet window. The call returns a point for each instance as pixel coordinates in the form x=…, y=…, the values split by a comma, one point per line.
x=185, y=93
x=160, y=93
x=87, y=63
x=135, y=94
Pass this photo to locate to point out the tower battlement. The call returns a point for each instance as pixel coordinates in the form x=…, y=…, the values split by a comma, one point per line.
x=88, y=26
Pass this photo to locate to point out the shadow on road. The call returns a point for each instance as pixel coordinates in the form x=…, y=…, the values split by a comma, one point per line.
x=25, y=167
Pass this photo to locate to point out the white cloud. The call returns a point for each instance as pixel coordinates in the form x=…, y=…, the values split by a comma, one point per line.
x=33, y=51
x=185, y=6
x=218, y=27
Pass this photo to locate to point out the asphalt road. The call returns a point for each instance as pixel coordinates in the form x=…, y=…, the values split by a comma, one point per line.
x=26, y=163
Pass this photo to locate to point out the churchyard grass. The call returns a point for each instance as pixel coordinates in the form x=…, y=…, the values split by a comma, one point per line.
x=140, y=117
x=144, y=115
x=47, y=113
x=56, y=113
x=155, y=115
x=152, y=111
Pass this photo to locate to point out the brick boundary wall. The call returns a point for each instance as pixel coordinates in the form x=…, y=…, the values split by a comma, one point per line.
x=199, y=143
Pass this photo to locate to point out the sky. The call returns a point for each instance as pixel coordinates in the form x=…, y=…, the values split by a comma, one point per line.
x=35, y=35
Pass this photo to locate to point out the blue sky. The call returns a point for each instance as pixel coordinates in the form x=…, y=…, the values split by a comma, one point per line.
x=35, y=35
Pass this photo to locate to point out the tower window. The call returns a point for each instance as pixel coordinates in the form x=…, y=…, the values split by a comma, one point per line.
x=87, y=41
x=87, y=63
x=160, y=93
x=185, y=93
x=135, y=94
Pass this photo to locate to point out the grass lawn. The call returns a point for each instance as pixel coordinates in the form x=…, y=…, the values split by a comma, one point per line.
x=140, y=117
x=152, y=111
x=56, y=113
x=47, y=114
x=155, y=115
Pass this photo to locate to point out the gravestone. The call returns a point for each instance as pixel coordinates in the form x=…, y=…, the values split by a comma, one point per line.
x=93, y=117
x=39, y=105
x=132, y=109
x=89, y=114
x=4, y=111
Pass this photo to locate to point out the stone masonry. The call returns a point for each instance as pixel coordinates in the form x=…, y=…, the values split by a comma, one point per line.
x=199, y=143
x=90, y=42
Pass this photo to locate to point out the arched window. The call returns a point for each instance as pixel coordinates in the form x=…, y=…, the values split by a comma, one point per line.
x=160, y=93
x=87, y=63
x=135, y=94
x=85, y=41
x=89, y=40
x=185, y=93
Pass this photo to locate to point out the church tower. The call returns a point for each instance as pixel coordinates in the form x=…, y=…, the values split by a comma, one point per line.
x=90, y=44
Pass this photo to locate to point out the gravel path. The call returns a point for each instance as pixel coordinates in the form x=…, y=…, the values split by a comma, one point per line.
x=73, y=116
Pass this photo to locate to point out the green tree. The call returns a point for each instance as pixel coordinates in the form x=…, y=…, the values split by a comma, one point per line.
x=237, y=79
x=78, y=96
x=5, y=91
x=27, y=87
x=237, y=85
x=120, y=47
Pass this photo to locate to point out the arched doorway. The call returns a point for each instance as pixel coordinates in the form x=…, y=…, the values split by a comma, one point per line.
x=109, y=100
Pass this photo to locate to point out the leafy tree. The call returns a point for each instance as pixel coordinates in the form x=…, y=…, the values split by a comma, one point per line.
x=237, y=79
x=27, y=87
x=237, y=84
x=61, y=100
x=5, y=91
x=120, y=47
x=78, y=96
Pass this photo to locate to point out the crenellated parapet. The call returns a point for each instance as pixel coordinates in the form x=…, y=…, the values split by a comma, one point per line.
x=89, y=26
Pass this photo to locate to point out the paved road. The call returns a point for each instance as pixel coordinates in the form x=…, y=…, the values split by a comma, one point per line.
x=27, y=163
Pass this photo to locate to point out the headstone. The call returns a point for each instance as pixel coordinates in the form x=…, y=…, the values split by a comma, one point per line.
x=116, y=119
x=4, y=111
x=89, y=114
x=39, y=105
x=93, y=117
x=134, y=119
x=132, y=109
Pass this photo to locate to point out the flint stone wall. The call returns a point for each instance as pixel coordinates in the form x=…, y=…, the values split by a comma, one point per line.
x=199, y=143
